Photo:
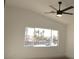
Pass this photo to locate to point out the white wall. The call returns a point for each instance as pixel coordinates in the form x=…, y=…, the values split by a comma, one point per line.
x=70, y=40
x=16, y=20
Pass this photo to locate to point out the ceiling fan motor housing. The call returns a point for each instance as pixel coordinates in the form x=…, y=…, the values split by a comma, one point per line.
x=59, y=12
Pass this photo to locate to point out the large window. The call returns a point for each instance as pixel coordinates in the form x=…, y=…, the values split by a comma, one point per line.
x=40, y=37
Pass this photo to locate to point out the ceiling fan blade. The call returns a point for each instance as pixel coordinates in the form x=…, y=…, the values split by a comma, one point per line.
x=67, y=8
x=67, y=13
x=50, y=12
x=53, y=7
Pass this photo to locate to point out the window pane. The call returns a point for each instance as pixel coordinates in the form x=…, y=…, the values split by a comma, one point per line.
x=39, y=37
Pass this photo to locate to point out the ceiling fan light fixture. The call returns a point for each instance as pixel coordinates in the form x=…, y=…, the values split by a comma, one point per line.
x=59, y=15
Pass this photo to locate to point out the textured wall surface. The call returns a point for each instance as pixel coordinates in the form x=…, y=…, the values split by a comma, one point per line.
x=16, y=20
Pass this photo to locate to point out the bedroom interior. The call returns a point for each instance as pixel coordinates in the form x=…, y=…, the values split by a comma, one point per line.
x=39, y=29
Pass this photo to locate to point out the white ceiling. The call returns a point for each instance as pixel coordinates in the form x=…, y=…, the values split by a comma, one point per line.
x=42, y=6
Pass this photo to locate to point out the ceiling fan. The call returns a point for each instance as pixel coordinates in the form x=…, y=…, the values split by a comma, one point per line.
x=59, y=12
